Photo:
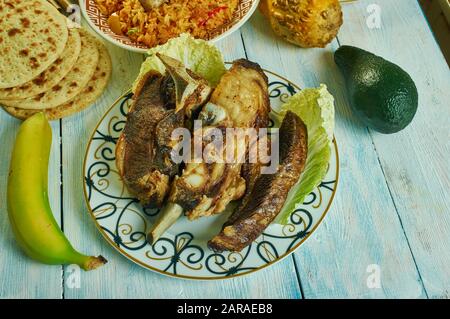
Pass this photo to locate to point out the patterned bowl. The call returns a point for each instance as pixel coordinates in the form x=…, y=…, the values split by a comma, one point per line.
x=99, y=23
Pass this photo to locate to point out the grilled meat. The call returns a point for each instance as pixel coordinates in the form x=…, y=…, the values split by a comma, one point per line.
x=143, y=159
x=206, y=188
x=191, y=90
x=240, y=101
x=143, y=151
x=269, y=191
x=243, y=96
x=250, y=172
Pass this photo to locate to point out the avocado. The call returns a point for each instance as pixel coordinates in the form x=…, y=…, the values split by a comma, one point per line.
x=381, y=94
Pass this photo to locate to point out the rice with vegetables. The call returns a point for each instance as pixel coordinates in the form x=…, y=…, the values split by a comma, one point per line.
x=162, y=20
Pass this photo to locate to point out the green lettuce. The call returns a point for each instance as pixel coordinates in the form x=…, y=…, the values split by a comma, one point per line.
x=316, y=108
x=197, y=55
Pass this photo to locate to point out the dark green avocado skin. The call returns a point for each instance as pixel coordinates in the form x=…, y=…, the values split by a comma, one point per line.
x=382, y=95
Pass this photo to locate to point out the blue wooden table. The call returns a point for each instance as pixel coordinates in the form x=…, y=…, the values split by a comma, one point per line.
x=387, y=234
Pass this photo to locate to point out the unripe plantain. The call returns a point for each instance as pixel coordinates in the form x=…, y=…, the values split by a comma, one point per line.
x=32, y=220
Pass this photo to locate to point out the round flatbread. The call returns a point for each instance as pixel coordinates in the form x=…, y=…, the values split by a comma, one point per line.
x=71, y=85
x=50, y=77
x=87, y=97
x=33, y=35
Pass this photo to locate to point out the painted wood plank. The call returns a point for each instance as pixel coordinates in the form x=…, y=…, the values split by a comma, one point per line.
x=362, y=227
x=22, y=277
x=120, y=277
x=415, y=161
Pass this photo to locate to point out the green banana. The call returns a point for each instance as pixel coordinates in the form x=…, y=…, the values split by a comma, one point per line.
x=32, y=220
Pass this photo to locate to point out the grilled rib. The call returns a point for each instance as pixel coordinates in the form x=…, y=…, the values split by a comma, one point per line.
x=143, y=151
x=191, y=90
x=269, y=191
x=240, y=101
x=142, y=159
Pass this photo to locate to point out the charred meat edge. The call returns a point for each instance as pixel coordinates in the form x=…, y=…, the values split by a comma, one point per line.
x=186, y=201
x=216, y=193
x=140, y=158
x=269, y=192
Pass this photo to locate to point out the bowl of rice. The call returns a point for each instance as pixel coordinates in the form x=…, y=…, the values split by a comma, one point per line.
x=139, y=25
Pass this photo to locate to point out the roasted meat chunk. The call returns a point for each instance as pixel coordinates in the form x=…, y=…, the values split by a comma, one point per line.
x=162, y=103
x=240, y=101
x=269, y=192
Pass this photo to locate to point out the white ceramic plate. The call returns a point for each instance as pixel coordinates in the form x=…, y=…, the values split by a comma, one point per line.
x=99, y=23
x=182, y=251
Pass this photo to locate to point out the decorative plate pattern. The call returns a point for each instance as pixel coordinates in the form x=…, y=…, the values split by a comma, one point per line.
x=99, y=22
x=182, y=252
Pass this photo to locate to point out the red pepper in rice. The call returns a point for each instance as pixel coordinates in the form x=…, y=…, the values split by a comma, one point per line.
x=211, y=14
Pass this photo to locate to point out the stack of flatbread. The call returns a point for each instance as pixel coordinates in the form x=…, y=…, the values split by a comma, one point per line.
x=44, y=65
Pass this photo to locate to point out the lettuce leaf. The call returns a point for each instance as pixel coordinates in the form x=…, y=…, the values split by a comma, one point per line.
x=316, y=108
x=198, y=55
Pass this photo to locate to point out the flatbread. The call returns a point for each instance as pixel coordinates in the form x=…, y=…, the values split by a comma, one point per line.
x=87, y=97
x=51, y=76
x=72, y=84
x=33, y=35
